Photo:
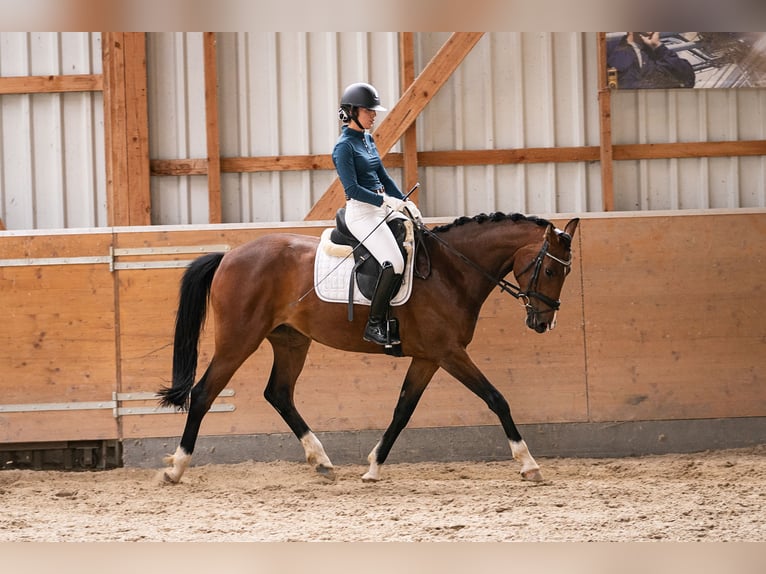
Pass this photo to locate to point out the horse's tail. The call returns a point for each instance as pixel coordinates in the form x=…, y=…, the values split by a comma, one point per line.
x=192, y=309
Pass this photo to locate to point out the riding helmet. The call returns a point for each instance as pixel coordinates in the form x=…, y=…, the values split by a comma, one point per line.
x=362, y=95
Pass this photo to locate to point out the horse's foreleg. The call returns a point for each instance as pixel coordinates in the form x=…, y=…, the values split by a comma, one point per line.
x=290, y=349
x=460, y=366
x=530, y=470
x=415, y=382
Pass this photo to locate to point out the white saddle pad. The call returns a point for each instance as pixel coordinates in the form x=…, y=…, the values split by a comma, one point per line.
x=334, y=264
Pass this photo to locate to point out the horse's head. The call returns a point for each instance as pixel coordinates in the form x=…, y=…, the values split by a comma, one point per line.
x=540, y=270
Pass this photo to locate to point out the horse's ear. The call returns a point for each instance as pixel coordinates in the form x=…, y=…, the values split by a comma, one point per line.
x=571, y=227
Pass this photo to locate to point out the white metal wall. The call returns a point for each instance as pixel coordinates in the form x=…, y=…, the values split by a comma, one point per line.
x=176, y=102
x=278, y=95
x=514, y=90
x=671, y=116
x=52, y=171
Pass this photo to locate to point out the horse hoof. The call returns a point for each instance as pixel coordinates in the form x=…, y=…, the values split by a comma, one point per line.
x=533, y=475
x=167, y=479
x=327, y=472
x=369, y=479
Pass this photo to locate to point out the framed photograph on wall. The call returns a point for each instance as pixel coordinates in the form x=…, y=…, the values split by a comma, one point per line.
x=666, y=60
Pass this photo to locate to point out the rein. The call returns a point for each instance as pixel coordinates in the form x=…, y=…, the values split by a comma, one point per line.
x=505, y=285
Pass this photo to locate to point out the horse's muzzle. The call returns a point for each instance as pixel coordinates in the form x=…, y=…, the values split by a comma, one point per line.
x=535, y=323
x=539, y=327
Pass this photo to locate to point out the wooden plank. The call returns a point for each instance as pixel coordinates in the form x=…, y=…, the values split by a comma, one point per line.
x=409, y=139
x=177, y=167
x=57, y=425
x=57, y=344
x=605, y=127
x=406, y=110
x=182, y=167
x=212, y=129
x=115, y=141
x=675, y=328
x=126, y=130
x=137, y=130
x=67, y=243
x=452, y=158
x=507, y=156
x=51, y=84
x=690, y=149
x=277, y=163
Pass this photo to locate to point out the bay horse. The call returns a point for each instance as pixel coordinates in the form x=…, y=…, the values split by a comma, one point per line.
x=264, y=289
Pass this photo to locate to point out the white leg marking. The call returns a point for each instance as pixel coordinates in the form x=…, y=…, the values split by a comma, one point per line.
x=373, y=474
x=179, y=463
x=315, y=453
x=529, y=468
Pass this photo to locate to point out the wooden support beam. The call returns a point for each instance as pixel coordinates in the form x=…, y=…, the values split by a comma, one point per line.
x=211, y=129
x=406, y=110
x=409, y=141
x=605, y=126
x=51, y=84
x=126, y=128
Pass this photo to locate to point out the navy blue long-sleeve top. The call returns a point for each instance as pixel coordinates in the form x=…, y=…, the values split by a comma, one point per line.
x=360, y=169
x=662, y=68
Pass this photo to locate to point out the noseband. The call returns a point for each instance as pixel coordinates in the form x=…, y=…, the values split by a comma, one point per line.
x=508, y=287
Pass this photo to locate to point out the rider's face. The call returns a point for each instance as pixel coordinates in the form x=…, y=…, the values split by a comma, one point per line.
x=366, y=117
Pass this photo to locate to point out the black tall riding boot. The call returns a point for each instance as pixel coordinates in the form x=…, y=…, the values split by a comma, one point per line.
x=377, y=325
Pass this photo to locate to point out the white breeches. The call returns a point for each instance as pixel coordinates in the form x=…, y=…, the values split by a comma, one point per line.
x=361, y=219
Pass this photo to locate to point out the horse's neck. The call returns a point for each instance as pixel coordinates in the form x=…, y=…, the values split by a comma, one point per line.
x=491, y=247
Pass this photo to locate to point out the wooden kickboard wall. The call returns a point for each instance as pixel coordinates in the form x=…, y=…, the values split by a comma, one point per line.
x=662, y=318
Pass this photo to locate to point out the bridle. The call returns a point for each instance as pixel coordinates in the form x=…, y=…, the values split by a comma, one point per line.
x=531, y=293
x=506, y=286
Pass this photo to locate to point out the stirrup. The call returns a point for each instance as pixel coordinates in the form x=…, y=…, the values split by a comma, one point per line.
x=379, y=333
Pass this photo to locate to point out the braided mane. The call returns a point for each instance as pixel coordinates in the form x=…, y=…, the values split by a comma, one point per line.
x=492, y=218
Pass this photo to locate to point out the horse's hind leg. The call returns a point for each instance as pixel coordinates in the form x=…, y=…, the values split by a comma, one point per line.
x=216, y=377
x=290, y=350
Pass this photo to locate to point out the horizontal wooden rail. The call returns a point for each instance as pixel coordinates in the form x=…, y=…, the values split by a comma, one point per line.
x=51, y=84
x=178, y=167
x=691, y=149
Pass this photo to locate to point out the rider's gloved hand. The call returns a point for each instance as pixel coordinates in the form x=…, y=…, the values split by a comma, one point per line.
x=394, y=203
x=413, y=210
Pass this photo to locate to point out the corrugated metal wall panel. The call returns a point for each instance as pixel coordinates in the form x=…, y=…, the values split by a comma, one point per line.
x=671, y=116
x=278, y=95
x=176, y=88
x=514, y=90
x=52, y=171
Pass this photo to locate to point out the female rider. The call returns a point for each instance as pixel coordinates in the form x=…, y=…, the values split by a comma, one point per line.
x=371, y=195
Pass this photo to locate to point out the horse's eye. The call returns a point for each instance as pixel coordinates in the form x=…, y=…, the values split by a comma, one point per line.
x=549, y=272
